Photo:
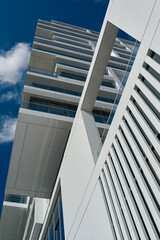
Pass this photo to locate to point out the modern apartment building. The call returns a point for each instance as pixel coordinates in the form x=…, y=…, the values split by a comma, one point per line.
x=86, y=150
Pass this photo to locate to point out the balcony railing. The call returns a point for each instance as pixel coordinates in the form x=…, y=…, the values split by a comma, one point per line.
x=66, y=75
x=48, y=109
x=50, y=88
x=59, y=111
x=43, y=71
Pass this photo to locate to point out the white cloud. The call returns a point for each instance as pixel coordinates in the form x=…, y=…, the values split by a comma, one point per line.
x=13, y=63
x=7, y=129
x=9, y=96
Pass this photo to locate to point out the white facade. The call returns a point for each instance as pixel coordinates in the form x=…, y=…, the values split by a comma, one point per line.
x=109, y=183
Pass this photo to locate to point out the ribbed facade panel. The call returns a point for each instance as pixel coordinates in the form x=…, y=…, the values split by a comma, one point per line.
x=130, y=176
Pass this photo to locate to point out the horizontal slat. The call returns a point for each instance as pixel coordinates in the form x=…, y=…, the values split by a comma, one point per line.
x=138, y=197
x=127, y=190
x=143, y=186
x=146, y=109
x=146, y=148
x=145, y=126
x=152, y=80
x=111, y=208
x=151, y=62
x=148, y=93
x=108, y=174
x=122, y=200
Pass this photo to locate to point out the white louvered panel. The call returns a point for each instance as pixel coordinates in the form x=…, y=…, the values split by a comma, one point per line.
x=138, y=198
x=116, y=202
x=144, y=144
x=151, y=62
x=142, y=163
x=145, y=126
x=152, y=80
x=122, y=200
x=127, y=191
x=149, y=95
x=111, y=208
x=147, y=110
x=140, y=180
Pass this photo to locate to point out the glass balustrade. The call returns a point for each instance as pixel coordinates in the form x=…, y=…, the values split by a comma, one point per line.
x=64, y=110
x=56, y=89
x=43, y=71
x=48, y=109
x=74, y=66
x=66, y=91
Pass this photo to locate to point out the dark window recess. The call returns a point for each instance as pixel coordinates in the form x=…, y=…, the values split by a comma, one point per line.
x=100, y=116
x=15, y=198
x=56, y=225
x=111, y=85
x=69, y=75
x=109, y=100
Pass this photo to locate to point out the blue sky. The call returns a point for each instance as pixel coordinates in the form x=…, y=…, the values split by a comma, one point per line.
x=18, y=21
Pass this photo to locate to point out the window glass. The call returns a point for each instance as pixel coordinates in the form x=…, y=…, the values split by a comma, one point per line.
x=56, y=226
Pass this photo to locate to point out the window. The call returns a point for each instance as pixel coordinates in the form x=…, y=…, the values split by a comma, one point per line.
x=56, y=226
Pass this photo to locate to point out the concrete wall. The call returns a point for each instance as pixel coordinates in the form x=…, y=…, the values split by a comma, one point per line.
x=76, y=170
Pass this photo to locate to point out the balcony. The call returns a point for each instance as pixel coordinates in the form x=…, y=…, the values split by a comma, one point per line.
x=37, y=151
x=13, y=217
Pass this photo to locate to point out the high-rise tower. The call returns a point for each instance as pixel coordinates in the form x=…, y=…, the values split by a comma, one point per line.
x=93, y=153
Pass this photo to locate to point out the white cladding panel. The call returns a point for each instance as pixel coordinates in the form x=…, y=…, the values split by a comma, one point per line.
x=95, y=224
x=156, y=41
x=76, y=170
x=131, y=16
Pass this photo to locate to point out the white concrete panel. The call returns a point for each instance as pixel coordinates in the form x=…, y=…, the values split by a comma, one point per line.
x=156, y=40
x=99, y=223
x=41, y=157
x=131, y=16
x=42, y=60
x=37, y=153
x=95, y=223
x=75, y=172
x=12, y=223
x=16, y=153
x=84, y=231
